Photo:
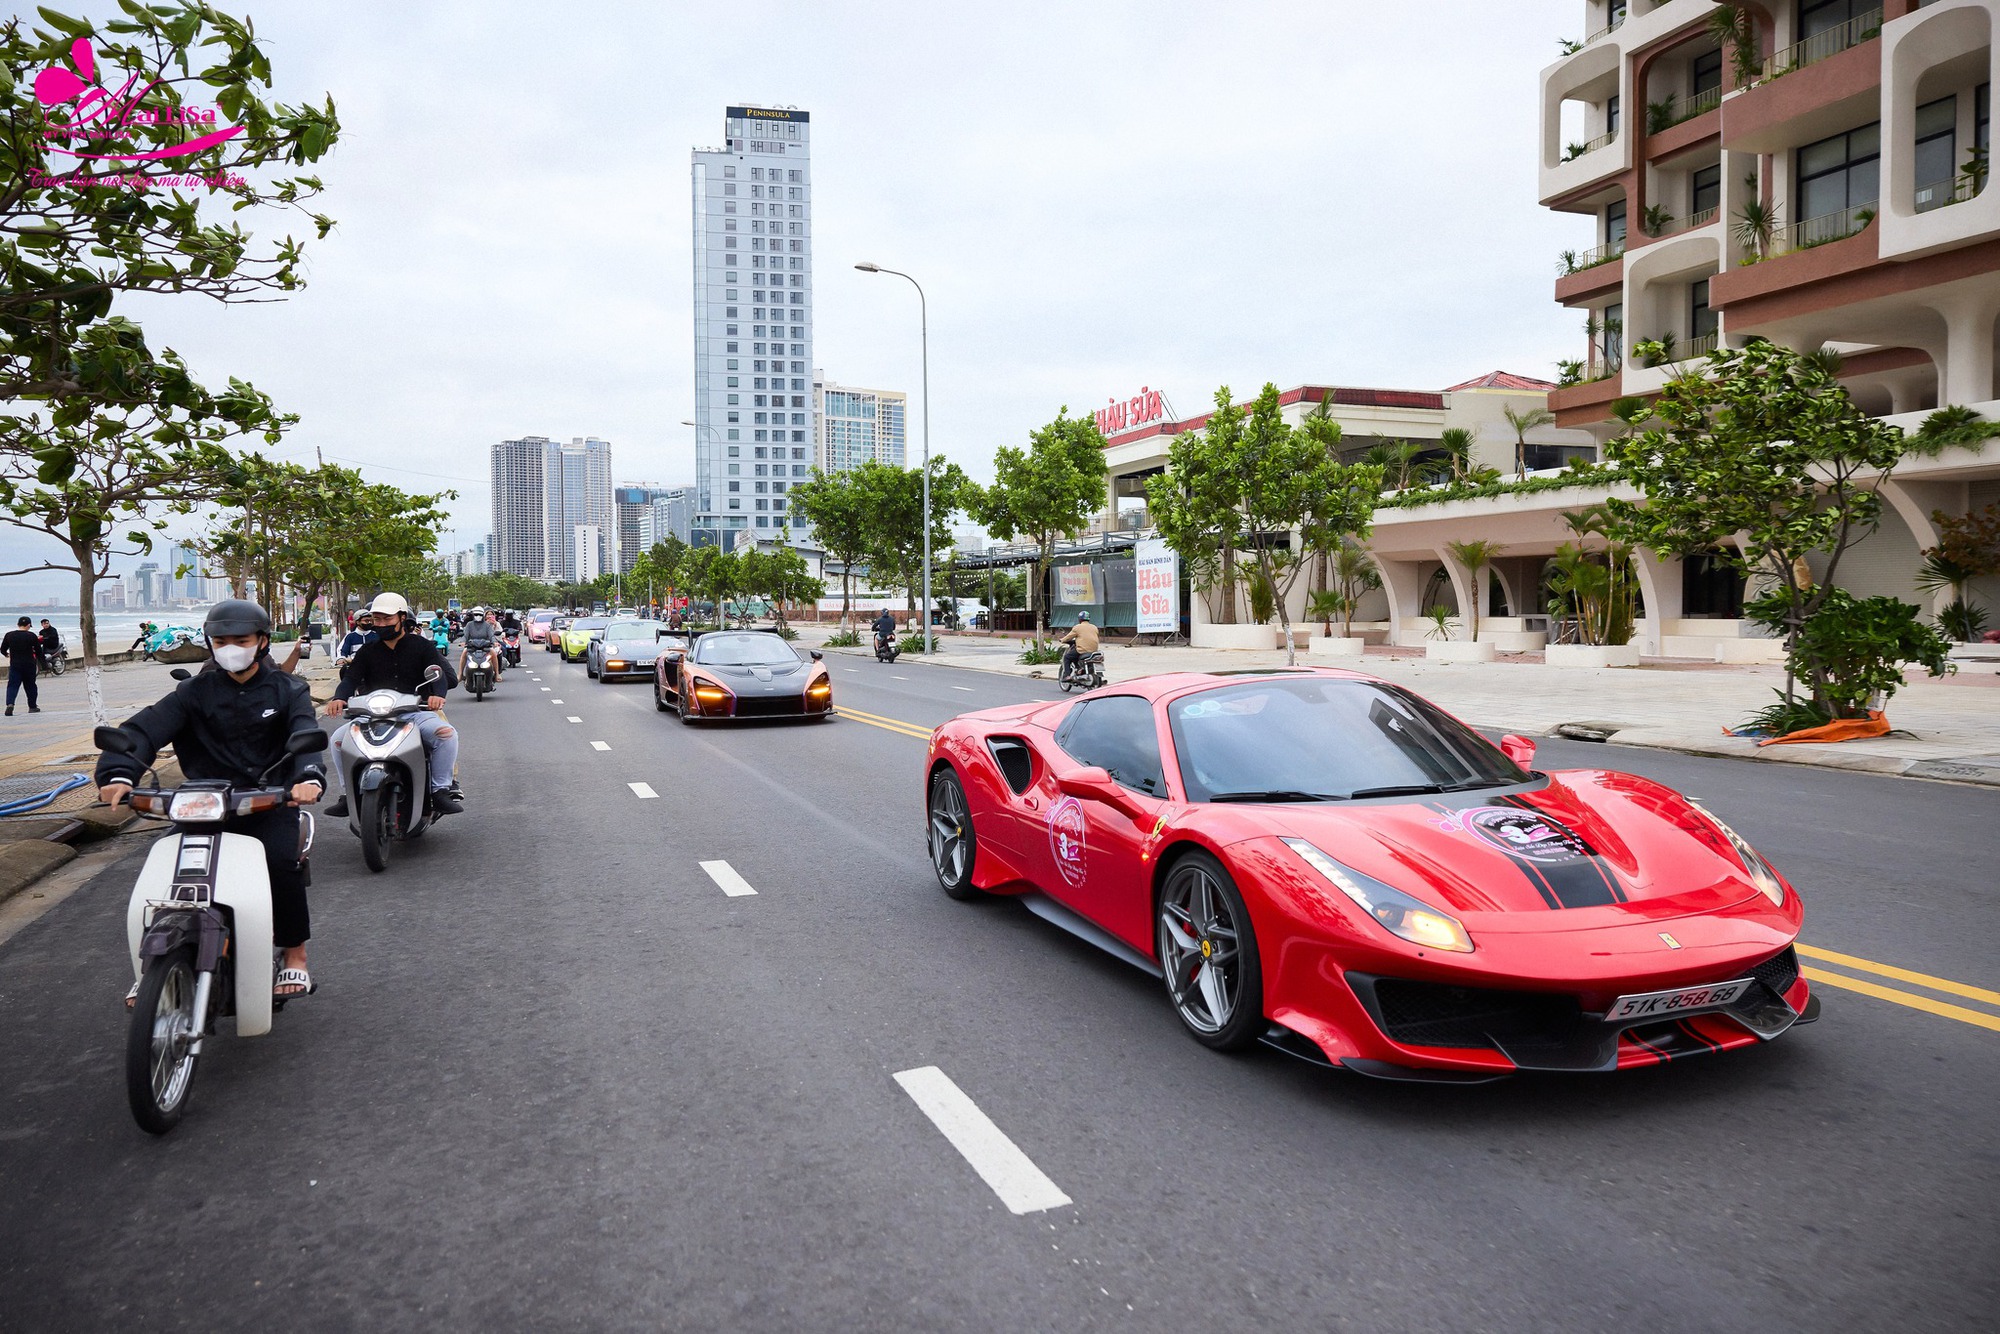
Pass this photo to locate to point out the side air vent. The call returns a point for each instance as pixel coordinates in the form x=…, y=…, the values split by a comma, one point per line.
x=1016, y=761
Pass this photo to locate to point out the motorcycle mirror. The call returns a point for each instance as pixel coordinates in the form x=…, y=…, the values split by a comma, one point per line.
x=112, y=739
x=181, y=674
x=1518, y=749
x=305, y=743
x=433, y=675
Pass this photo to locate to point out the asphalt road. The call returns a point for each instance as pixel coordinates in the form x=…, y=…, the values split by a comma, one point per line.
x=556, y=1078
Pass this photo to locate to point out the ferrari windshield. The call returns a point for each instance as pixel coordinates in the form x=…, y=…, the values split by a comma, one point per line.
x=738, y=650
x=1326, y=739
x=618, y=630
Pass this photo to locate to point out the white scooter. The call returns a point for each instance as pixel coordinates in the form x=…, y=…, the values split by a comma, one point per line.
x=384, y=770
x=198, y=925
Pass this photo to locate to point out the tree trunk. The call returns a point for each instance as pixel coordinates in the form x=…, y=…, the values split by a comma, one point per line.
x=1227, y=585
x=1284, y=600
x=86, y=620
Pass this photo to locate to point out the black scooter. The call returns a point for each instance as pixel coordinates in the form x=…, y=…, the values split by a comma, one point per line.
x=886, y=648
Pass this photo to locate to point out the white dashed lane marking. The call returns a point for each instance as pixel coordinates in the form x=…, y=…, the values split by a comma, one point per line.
x=723, y=874
x=555, y=701
x=1021, y=1186
x=966, y=689
x=600, y=745
x=545, y=689
x=573, y=718
x=894, y=677
x=642, y=791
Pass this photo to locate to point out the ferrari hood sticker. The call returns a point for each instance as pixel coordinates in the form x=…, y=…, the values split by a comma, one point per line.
x=1554, y=858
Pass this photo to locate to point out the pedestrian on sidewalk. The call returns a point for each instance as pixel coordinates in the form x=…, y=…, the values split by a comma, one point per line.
x=24, y=651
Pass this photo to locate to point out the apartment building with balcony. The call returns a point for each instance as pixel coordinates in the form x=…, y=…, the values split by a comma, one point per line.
x=1825, y=185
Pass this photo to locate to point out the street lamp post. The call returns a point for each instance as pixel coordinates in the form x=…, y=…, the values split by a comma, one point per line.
x=924, y=327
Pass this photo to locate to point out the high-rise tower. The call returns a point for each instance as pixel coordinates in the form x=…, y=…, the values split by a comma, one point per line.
x=753, y=353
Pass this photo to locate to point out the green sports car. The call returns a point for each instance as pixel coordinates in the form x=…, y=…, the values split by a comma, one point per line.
x=576, y=636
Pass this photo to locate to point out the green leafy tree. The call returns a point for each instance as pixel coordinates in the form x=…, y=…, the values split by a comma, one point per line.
x=86, y=214
x=836, y=505
x=896, y=526
x=660, y=569
x=1856, y=646
x=1196, y=506
x=313, y=530
x=97, y=477
x=1767, y=444
x=1051, y=489
x=780, y=575
x=1289, y=482
x=423, y=580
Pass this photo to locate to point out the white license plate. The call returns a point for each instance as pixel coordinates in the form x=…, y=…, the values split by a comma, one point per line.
x=1662, y=1004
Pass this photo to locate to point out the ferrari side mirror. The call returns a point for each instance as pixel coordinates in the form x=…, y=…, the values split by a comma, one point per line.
x=1518, y=749
x=1095, y=784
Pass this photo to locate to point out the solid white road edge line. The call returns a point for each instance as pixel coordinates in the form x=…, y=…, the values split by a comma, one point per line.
x=1021, y=1186
x=723, y=874
x=642, y=790
x=600, y=745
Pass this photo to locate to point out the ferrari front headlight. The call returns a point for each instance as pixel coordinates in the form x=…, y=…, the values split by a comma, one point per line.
x=1761, y=874
x=1397, y=912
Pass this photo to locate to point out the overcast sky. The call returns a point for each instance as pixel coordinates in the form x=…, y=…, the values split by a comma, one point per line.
x=1097, y=197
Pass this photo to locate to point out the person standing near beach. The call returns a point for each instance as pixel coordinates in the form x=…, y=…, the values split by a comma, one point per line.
x=23, y=648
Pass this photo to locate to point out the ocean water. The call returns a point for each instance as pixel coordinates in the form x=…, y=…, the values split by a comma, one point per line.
x=115, y=629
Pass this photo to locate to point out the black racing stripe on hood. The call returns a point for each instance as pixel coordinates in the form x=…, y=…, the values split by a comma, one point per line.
x=1584, y=883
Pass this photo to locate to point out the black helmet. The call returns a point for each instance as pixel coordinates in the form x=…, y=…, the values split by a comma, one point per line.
x=236, y=617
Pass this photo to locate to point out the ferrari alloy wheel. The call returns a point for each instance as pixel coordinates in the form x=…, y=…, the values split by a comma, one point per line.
x=952, y=844
x=1210, y=955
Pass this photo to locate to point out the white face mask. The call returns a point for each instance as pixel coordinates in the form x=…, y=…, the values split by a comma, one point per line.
x=234, y=657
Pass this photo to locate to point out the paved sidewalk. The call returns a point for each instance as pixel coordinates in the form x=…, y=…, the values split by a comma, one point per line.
x=62, y=729
x=1947, y=729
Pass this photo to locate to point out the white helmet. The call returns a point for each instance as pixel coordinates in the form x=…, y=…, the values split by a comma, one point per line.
x=389, y=604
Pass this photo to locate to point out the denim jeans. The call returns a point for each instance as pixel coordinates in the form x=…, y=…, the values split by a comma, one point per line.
x=440, y=740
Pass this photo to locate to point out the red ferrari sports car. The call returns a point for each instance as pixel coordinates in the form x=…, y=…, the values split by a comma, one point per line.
x=1329, y=863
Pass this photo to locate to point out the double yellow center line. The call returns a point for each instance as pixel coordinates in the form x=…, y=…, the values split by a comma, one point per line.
x=1897, y=996
x=896, y=725
x=1818, y=976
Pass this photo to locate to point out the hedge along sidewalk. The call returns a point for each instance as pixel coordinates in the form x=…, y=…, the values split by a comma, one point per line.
x=1947, y=729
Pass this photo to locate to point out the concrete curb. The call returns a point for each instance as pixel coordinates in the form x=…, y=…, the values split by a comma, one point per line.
x=1949, y=770
x=24, y=862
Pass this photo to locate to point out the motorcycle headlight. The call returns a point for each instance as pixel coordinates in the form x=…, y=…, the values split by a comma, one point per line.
x=1761, y=874
x=1398, y=913
x=196, y=807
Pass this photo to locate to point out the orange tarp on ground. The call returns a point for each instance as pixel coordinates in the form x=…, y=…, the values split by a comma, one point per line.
x=1841, y=729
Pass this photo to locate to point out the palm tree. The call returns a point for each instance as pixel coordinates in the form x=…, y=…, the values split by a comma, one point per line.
x=1474, y=556
x=1397, y=460
x=1456, y=442
x=1524, y=422
x=1354, y=573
